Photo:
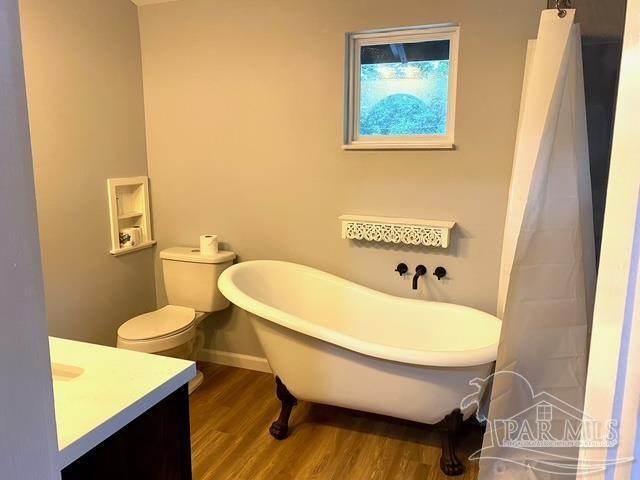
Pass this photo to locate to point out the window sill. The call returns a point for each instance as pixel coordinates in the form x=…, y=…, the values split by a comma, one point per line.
x=399, y=146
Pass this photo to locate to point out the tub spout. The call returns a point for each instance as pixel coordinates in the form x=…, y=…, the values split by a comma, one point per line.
x=420, y=271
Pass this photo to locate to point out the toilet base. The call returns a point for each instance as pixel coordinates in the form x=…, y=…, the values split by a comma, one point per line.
x=196, y=382
x=187, y=350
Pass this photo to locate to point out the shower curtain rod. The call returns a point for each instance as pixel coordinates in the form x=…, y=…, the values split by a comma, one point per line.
x=562, y=6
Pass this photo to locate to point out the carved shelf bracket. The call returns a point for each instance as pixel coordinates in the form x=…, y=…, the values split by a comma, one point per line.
x=410, y=231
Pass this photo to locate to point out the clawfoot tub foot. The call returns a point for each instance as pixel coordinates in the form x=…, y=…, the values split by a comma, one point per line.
x=449, y=462
x=280, y=428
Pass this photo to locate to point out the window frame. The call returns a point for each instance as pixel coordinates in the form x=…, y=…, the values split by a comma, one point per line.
x=354, y=41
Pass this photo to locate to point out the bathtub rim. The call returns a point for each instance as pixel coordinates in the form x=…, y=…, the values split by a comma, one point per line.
x=435, y=358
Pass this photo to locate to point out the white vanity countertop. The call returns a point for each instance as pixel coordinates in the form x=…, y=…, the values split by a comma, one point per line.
x=98, y=390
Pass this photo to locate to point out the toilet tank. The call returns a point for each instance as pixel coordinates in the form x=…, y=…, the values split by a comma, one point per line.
x=191, y=279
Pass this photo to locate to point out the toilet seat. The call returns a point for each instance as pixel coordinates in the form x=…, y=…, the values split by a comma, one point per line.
x=162, y=329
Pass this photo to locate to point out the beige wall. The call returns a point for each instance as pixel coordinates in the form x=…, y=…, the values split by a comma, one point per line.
x=84, y=86
x=244, y=108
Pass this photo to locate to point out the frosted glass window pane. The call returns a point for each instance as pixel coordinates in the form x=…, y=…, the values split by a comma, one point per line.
x=404, y=88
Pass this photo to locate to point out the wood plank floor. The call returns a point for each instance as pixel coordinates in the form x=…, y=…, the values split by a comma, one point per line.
x=233, y=408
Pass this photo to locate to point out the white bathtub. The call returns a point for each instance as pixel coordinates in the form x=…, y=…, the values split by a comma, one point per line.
x=335, y=342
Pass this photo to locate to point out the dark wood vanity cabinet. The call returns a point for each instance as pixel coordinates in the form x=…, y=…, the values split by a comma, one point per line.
x=154, y=446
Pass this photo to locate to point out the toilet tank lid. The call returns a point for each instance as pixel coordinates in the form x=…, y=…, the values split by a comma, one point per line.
x=192, y=254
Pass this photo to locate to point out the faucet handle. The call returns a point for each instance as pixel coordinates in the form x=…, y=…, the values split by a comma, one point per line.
x=402, y=268
x=440, y=272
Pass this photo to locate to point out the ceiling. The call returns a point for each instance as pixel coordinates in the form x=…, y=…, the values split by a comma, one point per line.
x=597, y=18
x=150, y=2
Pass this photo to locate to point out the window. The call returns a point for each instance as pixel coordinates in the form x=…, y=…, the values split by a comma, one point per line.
x=401, y=88
x=544, y=412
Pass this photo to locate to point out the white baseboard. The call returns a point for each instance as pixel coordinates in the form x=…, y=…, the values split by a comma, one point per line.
x=232, y=359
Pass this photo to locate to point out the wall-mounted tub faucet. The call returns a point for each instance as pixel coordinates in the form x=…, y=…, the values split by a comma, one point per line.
x=440, y=272
x=420, y=271
x=402, y=269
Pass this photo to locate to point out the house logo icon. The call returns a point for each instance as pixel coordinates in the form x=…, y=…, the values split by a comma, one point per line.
x=548, y=429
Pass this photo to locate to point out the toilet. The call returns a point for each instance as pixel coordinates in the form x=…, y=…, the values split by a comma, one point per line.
x=191, y=282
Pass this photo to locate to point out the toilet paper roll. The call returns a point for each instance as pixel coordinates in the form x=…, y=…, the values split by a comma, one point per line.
x=130, y=237
x=208, y=244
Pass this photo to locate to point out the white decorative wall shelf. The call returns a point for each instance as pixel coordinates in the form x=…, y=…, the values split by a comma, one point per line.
x=411, y=231
x=129, y=211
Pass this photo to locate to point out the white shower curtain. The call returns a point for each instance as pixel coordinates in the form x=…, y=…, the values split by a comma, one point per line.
x=547, y=277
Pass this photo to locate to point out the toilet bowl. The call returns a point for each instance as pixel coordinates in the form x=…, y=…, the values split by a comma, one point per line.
x=175, y=330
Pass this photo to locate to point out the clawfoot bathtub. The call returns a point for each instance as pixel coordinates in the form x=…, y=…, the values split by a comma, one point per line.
x=334, y=342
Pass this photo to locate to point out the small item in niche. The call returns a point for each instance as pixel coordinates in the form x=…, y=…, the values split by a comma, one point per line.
x=130, y=237
x=125, y=240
